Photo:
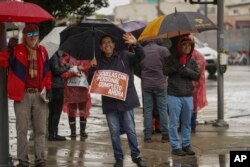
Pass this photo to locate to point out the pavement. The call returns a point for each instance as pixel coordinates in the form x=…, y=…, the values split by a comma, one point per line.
x=211, y=144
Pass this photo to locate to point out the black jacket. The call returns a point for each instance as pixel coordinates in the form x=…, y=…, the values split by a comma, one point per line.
x=120, y=61
x=180, y=77
x=56, y=71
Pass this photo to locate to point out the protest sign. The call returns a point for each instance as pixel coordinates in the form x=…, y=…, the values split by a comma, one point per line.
x=110, y=83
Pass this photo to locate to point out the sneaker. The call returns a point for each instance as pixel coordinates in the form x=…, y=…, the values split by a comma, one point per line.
x=147, y=140
x=139, y=162
x=193, y=130
x=118, y=163
x=165, y=138
x=188, y=150
x=178, y=152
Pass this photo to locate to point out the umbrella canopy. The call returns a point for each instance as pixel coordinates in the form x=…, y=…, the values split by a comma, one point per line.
x=15, y=11
x=52, y=40
x=135, y=27
x=176, y=24
x=82, y=40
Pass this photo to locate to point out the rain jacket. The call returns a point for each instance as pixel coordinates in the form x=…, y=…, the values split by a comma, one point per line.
x=200, y=95
x=17, y=71
x=72, y=94
x=120, y=61
x=180, y=77
x=4, y=58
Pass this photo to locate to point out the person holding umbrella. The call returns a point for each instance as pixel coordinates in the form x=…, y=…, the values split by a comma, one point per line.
x=28, y=76
x=181, y=70
x=120, y=113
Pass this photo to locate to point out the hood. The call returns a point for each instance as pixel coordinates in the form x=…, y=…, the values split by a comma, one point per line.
x=185, y=38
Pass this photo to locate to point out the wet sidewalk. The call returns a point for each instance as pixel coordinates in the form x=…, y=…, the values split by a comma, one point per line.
x=211, y=144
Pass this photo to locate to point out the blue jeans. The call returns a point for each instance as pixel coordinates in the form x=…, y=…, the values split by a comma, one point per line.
x=180, y=108
x=148, y=104
x=124, y=119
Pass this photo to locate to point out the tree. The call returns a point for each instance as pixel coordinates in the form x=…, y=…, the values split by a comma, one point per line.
x=61, y=8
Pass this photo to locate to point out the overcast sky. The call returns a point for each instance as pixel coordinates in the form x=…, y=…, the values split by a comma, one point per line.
x=112, y=4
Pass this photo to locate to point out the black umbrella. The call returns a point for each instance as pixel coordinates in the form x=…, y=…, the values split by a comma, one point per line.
x=176, y=24
x=82, y=40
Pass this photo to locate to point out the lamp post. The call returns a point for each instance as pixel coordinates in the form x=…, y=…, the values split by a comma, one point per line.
x=5, y=159
x=221, y=65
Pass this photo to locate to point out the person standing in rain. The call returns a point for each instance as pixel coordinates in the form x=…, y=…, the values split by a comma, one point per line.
x=28, y=75
x=56, y=104
x=151, y=71
x=120, y=113
x=181, y=70
x=77, y=101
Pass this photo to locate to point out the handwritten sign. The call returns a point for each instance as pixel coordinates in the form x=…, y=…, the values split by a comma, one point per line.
x=110, y=83
x=80, y=81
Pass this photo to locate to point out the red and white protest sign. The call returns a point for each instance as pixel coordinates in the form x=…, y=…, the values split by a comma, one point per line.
x=110, y=83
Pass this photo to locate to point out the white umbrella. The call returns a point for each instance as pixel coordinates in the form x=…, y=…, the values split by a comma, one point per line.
x=52, y=40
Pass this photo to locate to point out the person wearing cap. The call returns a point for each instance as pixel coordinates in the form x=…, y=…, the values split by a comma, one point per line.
x=181, y=70
x=28, y=75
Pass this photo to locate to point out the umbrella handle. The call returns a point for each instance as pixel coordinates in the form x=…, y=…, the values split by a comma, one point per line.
x=93, y=41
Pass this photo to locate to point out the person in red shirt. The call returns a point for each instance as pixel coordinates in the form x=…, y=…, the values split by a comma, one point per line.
x=28, y=75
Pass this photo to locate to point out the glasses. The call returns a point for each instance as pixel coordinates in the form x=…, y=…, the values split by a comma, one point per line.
x=32, y=34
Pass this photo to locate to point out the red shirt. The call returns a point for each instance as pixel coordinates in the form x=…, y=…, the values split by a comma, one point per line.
x=32, y=82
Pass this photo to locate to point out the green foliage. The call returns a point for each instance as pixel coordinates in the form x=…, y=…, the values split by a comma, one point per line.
x=62, y=8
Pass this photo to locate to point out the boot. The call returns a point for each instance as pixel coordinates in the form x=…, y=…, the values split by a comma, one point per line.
x=55, y=137
x=72, y=129
x=72, y=125
x=83, y=123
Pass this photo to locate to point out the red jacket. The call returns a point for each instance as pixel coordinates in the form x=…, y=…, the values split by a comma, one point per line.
x=17, y=71
x=4, y=56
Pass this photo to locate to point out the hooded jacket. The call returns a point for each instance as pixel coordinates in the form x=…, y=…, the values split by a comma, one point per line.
x=180, y=76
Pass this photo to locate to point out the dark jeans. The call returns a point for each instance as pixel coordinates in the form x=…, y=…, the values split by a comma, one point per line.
x=148, y=106
x=193, y=120
x=125, y=118
x=55, y=110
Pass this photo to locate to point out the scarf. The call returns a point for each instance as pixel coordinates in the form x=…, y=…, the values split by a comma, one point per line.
x=32, y=62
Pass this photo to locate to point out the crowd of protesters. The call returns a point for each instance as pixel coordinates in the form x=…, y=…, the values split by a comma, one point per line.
x=171, y=83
